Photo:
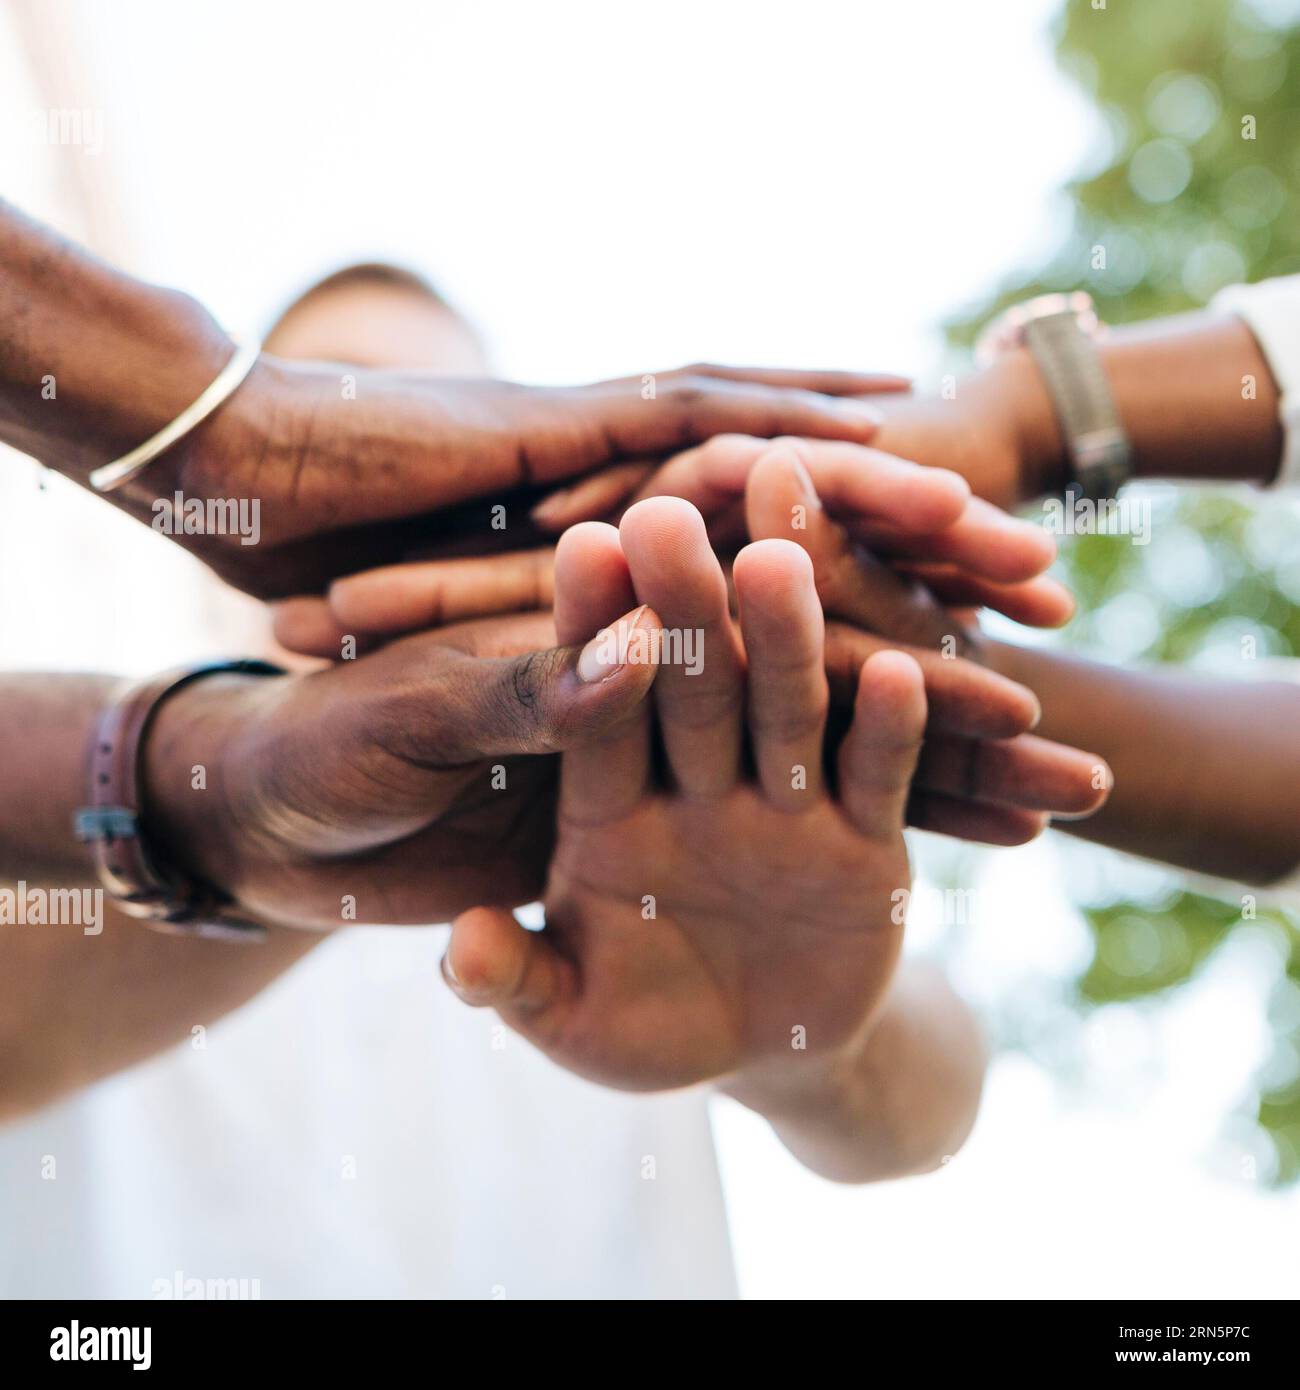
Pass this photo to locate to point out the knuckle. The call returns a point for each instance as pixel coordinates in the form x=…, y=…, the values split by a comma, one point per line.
x=688, y=392
x=522, y=704
x=721, y=447
x=430, y=733
x=790, y=726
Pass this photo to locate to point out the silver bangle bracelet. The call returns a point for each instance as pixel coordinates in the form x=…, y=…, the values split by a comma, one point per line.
x=122, y=470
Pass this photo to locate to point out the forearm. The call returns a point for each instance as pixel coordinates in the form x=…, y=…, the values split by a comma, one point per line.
x=1194, y=394
x=900, y=1103
x=1206, y=772
x=92, y=362
x=79, y=1004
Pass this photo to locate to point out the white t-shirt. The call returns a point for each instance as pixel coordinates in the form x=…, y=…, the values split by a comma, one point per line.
x=355, y=1131
x=1271, y=309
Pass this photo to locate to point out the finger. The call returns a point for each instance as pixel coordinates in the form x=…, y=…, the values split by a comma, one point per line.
x=593, y=586
x=493, y=962
x=828, y=383
x=579, y=428
x=879, y=753
x=405, y=598
x=308, y=626
x=973, y=820
x=962, y=697
x=700, y=683
x=781, y=499
x=456, y=441
x=783, y=629
x=508, y=635
x=1029, y=772
x=605, y=777
x=471, y=707
x=985, y=541
x=870, y=485
x=592, y=498
x=1040, y=602
x=711, y=476
x=864, y=483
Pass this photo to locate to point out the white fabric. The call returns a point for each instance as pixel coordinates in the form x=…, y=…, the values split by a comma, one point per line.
x=1285, y=890
x=1271, y=310
x=357, y=1132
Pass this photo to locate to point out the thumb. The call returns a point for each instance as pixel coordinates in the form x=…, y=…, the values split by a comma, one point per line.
x=544, y=701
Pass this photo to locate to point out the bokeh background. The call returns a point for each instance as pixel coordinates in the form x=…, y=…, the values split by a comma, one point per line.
x=607, y=188
x=1197, y=186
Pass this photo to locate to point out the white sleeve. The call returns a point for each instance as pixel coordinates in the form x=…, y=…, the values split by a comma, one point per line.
x=1285, y=890
x=1271, y=310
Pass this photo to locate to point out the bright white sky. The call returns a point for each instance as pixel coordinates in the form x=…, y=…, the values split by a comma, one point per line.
x=609, y=188
x=606, y=187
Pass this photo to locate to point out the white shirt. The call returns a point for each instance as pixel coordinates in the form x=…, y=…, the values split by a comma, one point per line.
x=1271, y=310
x=355, y=1131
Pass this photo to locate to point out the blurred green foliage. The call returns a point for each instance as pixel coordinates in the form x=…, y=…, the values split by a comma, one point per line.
x=1195, y=185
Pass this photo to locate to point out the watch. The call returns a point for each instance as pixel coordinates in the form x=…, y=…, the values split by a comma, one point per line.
x=1060, y=332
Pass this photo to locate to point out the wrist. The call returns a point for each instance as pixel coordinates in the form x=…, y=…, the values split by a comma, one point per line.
x=87, y=397
x=192, y=772
x=268, y=443
x=787, y=1091
x=900, y=1100
x=1014, y=390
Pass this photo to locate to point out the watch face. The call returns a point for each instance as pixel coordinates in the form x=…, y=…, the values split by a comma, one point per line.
x=1007, y=331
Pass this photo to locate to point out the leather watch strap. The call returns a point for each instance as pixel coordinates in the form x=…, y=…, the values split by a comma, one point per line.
x=135, y=876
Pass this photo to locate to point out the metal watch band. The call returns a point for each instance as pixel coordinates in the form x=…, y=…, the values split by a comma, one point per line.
x=1098, y=449
x=131, y=871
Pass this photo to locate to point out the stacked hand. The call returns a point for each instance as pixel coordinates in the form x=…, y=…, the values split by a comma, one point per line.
x=983, y=776
x=717, y=842
x=392, y=789
x=353, y=466
x=702, y=915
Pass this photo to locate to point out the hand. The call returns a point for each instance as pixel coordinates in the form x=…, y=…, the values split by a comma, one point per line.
x=698, y=926
x=998, y=430
x=894, y=503
x=975, y=780
x=982, y=776
x=403, y=464
x=882, y=501
x=388, y=789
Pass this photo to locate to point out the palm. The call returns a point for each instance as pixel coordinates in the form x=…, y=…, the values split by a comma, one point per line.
x=712, y=906
x=695, y=958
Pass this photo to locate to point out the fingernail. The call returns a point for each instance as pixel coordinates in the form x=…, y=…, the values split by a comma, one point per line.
x=550, y=509
x=806, y=485
x=448, y=973
x=607, y=652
